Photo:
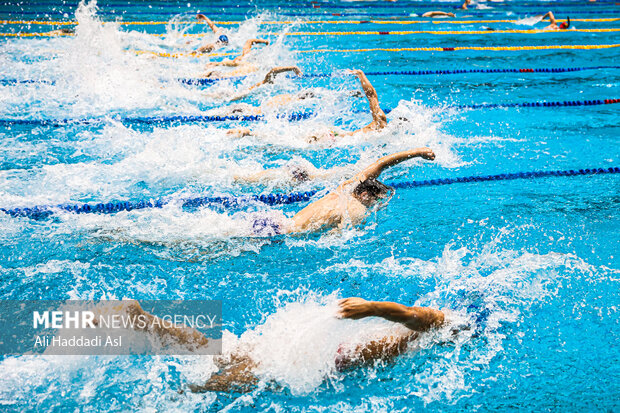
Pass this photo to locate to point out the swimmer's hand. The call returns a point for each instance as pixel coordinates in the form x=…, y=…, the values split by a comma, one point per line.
x=355, y=308
x=355, y=72
x=427, y=153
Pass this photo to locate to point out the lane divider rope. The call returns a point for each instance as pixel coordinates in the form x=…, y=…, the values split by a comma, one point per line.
x=41, y=212
x=151, y=119
x=402, y=49
x=306, y=22
x=363, y=33
x=291, y=118
x=319, y=14
x=207, y=81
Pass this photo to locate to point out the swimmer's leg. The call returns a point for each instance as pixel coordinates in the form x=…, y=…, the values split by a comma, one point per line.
x=236, y=377
x=187, y=337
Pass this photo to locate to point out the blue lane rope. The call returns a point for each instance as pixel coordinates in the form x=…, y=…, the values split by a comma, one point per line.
x=206, y=82
x=151, y=119
x=291, y=118
x=40, y=212
x=539, y=104
x=8, y=82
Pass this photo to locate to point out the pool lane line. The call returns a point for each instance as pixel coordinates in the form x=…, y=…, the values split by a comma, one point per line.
x=206, y=82
x=293, y=117
x=42, y=212
x=447, y=32
x=152, y=119
x=360, y=33
x=302, y=22
x=402, y=49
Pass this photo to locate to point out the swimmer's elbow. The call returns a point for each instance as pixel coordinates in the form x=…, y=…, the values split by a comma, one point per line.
x=424, y=318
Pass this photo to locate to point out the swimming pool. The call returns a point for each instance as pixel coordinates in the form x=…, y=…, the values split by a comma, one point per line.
x=527, y=268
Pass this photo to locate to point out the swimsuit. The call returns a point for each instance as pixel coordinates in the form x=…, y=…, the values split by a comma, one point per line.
x=299, y=173
x=266, y=227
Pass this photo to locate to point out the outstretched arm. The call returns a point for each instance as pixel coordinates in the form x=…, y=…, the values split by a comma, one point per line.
x=378, y=116
x=248, y=46
x=268, y=79
x=273, y=72
x=414, y=318
x=374, y=170
x=208, y=21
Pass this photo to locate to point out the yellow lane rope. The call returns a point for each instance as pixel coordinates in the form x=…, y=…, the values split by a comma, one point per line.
x=362, y=33
x=446, y=32
x=405, y=49
x=149, y=23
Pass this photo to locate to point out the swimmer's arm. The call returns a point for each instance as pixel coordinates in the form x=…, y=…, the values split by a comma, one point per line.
x=378, y=116
x=268, y=79
x=248, y=46
x=264, y=175
x=206, y=48
x=208, y=21
x=551, y=17
x=374, y=170
x=239, y=132
x=438, y=14
x=276, y=70
x=414, y=318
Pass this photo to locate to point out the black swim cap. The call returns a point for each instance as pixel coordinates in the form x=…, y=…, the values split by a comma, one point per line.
x=375, y=190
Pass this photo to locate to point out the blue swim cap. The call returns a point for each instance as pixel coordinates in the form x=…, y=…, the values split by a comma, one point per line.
x=223, y=39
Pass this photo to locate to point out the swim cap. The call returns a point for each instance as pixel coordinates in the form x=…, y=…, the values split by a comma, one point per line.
x=223, y=39
x=566, y=24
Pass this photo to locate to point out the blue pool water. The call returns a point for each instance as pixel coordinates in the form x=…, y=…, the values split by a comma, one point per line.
x=527, y=269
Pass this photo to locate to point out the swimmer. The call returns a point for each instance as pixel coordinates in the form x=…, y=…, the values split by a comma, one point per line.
x=269, y=78
x=379, y=120
x=351, y=201
x=61, y=32
x=270, y=104
x=221, y=41
x=433, y=14
x=464, y=6
x=554, y=23
x=296, y=172
x=241, y=66
x=348, y=204
x=237, y=373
